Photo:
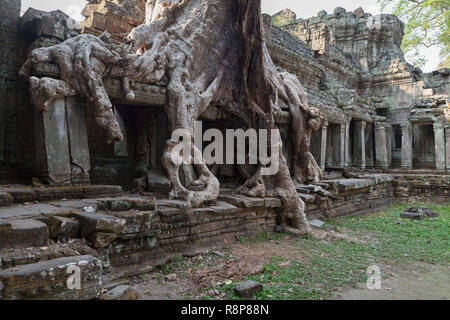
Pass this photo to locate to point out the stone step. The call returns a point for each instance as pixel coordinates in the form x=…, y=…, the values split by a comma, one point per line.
x=98, y=228
x=306, y=197
x=241, y=201
x=303, y=189
x=30, y=194
x=55, y=279
x=315, y=189
x=20, y=256
x=23, y=233
x=326, y=186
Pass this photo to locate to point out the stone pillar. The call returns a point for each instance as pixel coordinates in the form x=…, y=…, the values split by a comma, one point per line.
x=407, y=132
x=381, y=153
x=447, y=147
x=62, y=151
x=2, y=115
x=439, y=141
x=80, y=160
x=52, y=144
x=360, y=144
x=323, y=145
x=342, y=139
x=329, y=147
x=389, y=144
x=347, y=143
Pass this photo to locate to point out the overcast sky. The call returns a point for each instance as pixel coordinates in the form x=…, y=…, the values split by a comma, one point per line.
x=303, y=9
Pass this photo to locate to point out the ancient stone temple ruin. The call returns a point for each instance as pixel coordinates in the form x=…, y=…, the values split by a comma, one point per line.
x=87, y=113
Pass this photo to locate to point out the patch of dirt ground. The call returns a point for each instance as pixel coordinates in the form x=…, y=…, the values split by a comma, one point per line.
x=420, y=281
x=189, y=277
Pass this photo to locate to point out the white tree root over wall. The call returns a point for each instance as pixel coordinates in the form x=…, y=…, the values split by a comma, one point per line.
x=211, y=52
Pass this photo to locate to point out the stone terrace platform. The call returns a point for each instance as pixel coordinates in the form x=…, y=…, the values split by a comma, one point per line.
x=127, y=233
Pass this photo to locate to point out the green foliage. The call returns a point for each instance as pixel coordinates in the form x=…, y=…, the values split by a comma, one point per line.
x=427, y=25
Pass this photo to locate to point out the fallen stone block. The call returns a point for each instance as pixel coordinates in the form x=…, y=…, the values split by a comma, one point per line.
x=55, y=279
x=5, y=199
x=62, y=228
x=242, y=202
x=317, y=223
x=97, y=222
x=427, y=211
x=247, y=288
x=412, y=215
x=23, y=233
x=101, y=239
x=16, y=257
x=306, y=197
x=122, y=292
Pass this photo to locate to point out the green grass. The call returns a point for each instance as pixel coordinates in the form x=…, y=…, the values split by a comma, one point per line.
x=327, y=265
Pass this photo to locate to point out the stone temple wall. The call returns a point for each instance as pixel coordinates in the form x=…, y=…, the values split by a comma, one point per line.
x=16, y=113
x=366, y=85
x=350, y=64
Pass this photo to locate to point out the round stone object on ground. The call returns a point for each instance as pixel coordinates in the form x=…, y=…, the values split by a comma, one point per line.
x=247, y=288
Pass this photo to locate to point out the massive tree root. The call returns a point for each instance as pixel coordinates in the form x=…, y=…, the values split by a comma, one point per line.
x=82, y=61
x=210, y=52
x=172, y=161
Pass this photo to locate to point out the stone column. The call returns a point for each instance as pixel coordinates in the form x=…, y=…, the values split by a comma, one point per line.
x=342, y=139
x=389, y=144
x=329, y=149
x=62, y=151
x=447, y=147
x=360, y=144
x=407, y=132
x=439, y=142
x=347, y=143
x=381, y=153
x=52, y=144
x=323, y=145
x=80, y=159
